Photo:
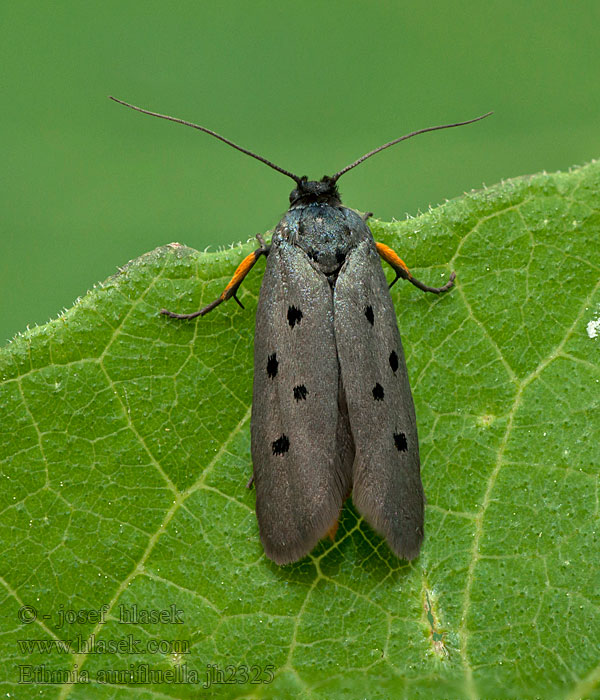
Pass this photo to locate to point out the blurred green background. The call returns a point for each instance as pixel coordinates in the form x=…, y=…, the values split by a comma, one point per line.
x=88, y=184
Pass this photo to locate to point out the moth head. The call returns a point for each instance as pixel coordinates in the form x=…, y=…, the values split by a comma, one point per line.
x=323, y=191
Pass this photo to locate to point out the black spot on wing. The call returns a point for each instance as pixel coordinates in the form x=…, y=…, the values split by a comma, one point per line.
x=272, y=365
x=300, y=392
x=378, y=392
x=369, y=314
x=393, y=360
x=281, y=445
x=294, y=316
x=400, y=442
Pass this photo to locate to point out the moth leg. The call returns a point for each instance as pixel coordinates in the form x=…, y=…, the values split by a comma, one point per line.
x=366, y=215
x=333, y=529
x=402, y=271
x=234, y=284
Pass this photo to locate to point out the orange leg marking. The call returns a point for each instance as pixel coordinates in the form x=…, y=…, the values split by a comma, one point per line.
x=242, y=270
x=392, y=258
x=332, y=530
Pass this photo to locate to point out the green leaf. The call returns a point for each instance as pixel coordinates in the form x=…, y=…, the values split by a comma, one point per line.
x=126, y=450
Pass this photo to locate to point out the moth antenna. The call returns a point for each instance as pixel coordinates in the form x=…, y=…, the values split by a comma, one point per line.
x=403, y=138
x=212, y=133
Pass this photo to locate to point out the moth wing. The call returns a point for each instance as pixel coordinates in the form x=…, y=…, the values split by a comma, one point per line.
x=387, y=487
x=301, y=446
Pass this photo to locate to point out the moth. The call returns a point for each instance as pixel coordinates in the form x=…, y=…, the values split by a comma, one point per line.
x=332, y=410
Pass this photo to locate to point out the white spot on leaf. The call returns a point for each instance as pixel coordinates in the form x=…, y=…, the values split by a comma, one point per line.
x=593, y=328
